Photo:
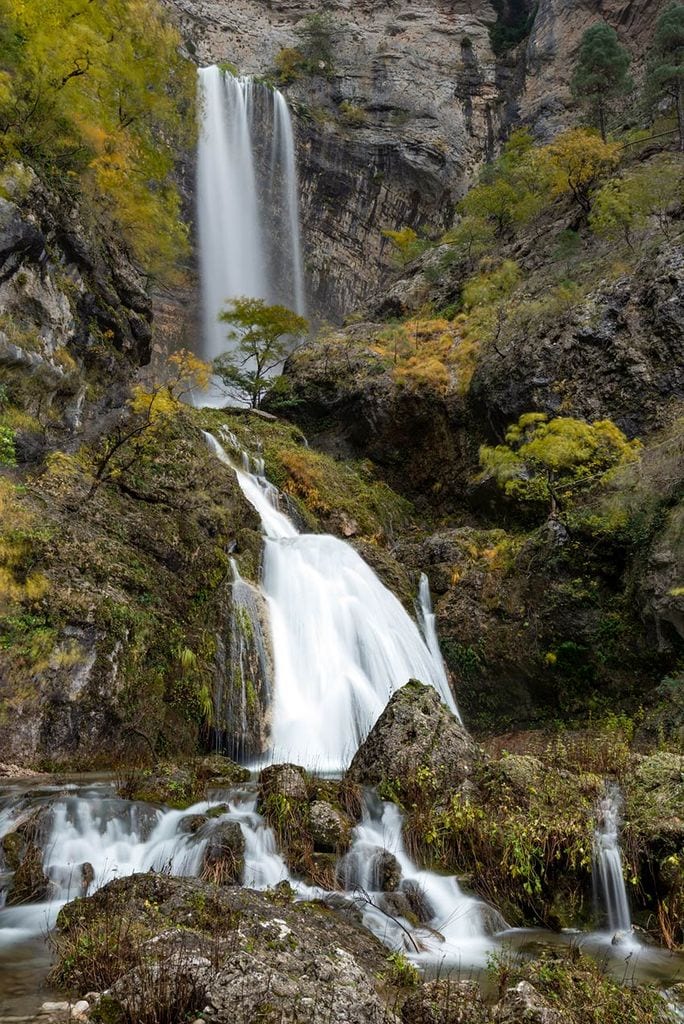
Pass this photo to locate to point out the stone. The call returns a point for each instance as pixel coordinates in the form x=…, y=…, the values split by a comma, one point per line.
x=329, y=828
x=283, y=780
x=416, y=731
x=224, y=856
x=192, y=823
x=217, y=770
x=524, y=1004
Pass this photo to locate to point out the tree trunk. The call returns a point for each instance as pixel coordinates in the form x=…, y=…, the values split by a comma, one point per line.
x=679, y=102
x=602, y=119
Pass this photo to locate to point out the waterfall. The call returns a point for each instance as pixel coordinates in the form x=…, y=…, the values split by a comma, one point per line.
x=609, y=886
x=451, y=921
x=248, y=214
x=342, y=643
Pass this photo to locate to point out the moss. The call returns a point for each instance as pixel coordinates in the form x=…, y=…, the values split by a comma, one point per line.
x=339, y=497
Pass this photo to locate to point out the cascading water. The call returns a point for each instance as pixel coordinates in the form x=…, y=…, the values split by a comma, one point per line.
x=248, y=214
x=342, y=643
x=610, y=890
x=453, y=925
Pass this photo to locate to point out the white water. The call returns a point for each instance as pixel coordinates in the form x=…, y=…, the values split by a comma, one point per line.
x=457, y=928
x=248, y=215
x=610, y=889
x=342, y=643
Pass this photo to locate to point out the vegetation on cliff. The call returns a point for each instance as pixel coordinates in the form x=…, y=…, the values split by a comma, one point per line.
x=96, y=97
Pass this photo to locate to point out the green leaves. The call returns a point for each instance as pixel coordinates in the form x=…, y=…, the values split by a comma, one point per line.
x=265, y=335
x=545, y=460
x=601, y=73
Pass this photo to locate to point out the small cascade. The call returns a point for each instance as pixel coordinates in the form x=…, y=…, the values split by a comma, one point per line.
x=428, y=621
x=453, y=926
x=92, y=837
x=609, y=885
x=342, y=643
x=248, y=214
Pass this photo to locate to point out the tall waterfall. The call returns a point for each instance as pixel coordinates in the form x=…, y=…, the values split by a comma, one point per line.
x=610, y=889
x=248, y=215
x=342, y=643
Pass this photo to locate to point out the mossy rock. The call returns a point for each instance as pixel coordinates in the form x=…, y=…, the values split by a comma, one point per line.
x=218, y=771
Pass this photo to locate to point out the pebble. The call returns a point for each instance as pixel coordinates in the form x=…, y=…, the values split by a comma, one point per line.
x=80, y=1009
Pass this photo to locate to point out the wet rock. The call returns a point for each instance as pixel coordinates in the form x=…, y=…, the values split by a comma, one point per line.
x=29, y=883
x=283, y=780
x=418, y=901
x=166, y=784
x=192, y=823
x=443, y=1001
x=224, y=857
x=87, y=872
x=416, y=732
x=330, y=829
x=218, y=771
x=524, y=1004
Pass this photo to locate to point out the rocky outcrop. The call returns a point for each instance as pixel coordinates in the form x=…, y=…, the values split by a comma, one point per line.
x=416, y=736
x=224, y=857
x=228, y=953
x=619, y=356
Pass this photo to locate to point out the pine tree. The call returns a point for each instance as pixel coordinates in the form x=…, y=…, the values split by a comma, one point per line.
x=666, y=66
x=601, y=74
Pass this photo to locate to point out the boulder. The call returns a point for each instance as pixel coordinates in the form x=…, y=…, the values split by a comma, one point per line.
x=218, y=771
x=417, y=741
x=192, y=823
x=224, y=856
x=524, y=1005
x=283, y=780
x=229, y=954
x=329, y=828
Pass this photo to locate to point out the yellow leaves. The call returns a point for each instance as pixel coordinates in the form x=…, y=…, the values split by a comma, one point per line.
x=190, y=371
x=579, y=159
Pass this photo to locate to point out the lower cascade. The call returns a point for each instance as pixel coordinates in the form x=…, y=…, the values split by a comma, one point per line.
x=610, y=889
x=342, y=643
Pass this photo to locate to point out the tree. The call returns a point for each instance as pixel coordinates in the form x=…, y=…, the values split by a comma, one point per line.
x=665, y=76
x=579, y=159
x=624, y=205
x=513, y=190
x=265, y=336
x=601, y=73
x=150, y=410
x=544, y=461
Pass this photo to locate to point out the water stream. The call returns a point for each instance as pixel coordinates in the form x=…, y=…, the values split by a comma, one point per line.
x=342, y=642
x=609, y=883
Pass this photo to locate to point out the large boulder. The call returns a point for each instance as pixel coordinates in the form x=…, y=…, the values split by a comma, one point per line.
x=227, y=953
x=330, y=829
x=416, y=742
x=224, y=856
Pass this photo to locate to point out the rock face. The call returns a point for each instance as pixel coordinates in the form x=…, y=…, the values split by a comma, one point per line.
x=416, y=733
x=618, y=356
x=413, y=103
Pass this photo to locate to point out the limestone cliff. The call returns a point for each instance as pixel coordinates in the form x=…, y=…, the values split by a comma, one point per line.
x=415, y=100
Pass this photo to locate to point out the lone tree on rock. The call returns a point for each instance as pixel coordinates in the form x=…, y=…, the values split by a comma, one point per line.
x=265, y=336
x=543, y=461
x=665, y=77
x=601, y=73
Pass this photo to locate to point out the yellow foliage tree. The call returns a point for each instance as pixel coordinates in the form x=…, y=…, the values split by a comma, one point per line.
x=150, y=411
x=579, y=159
x=97, y=90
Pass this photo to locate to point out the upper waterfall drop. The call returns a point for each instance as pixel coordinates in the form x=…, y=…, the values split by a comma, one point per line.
x=248, y=209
